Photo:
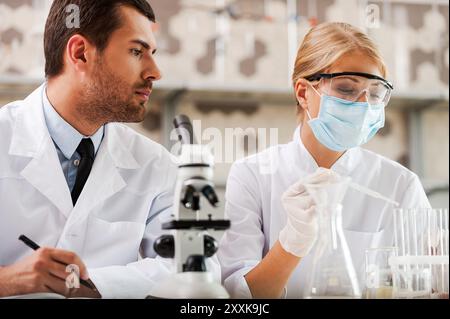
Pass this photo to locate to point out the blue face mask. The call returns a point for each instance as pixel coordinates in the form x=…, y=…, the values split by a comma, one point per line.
x=342, y=124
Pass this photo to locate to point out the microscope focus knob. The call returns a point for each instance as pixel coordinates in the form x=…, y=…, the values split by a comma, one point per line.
x=195, y=263
x=210, y=246
x=164, y=246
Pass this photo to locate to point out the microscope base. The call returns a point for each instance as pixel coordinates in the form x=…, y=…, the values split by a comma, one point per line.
x=189, y=285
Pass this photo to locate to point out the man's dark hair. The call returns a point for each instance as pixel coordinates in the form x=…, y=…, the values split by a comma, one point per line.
x=98, y=20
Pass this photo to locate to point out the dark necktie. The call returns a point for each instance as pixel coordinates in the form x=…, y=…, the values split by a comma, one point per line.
x=86, y=151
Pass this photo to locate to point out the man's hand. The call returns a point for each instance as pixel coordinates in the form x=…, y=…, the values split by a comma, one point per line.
x=44, y=271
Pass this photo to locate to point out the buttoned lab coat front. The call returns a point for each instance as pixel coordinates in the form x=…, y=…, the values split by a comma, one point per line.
x=253, y=204
x=128, y=195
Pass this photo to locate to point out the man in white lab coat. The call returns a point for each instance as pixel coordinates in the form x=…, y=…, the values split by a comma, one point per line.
x=71, y=177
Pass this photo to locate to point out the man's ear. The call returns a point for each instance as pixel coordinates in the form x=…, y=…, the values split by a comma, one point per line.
x=300, y=93
x=76, y=52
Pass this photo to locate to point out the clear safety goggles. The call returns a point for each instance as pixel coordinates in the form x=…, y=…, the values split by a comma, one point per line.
x=351, y=86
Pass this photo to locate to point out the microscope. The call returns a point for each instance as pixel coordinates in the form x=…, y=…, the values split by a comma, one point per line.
x=194, y=231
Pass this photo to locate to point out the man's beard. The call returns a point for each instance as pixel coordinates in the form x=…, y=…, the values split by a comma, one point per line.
x=107, y=98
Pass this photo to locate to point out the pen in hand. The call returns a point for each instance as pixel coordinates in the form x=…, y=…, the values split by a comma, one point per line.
x=35, y=246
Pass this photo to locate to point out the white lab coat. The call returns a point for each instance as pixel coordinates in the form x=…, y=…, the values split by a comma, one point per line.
x=253, y=204
x=131, y=180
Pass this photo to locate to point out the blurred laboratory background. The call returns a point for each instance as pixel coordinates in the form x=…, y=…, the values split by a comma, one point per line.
x=228, y=64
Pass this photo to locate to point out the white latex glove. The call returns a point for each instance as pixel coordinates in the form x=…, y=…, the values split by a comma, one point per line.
x=300, y=232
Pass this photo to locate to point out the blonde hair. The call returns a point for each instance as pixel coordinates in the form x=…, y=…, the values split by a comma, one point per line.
x=325, y=43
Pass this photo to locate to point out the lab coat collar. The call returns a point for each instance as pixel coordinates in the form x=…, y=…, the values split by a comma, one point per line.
x=105, y=179
x=345, y=165
x=31, y=139
x=29, y=135
x=120, y=154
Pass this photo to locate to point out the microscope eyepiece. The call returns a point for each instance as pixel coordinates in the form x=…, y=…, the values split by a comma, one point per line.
x=191, y=199
x=211, y=195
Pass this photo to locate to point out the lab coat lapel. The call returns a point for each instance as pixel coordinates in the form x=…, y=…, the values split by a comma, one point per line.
x=31, y=139
x=304, y=161
x=104, y=180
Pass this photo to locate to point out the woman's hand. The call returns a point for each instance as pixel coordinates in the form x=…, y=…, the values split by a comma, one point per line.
x=300, y=232
x=269, y=278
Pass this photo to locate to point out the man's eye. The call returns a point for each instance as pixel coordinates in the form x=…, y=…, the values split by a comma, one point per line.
x=136, y=52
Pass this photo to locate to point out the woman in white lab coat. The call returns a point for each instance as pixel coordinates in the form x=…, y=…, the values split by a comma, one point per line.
x=340, y=86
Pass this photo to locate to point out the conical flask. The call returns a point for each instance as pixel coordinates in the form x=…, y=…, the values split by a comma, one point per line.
x=333, y=274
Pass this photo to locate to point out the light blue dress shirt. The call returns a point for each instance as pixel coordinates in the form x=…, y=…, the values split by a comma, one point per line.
x=66, y=139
